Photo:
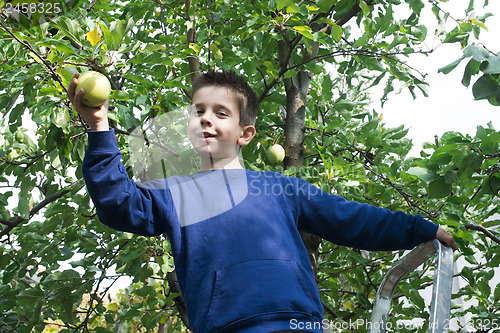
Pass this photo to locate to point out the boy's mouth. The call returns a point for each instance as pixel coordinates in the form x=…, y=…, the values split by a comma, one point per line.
x=207, y=135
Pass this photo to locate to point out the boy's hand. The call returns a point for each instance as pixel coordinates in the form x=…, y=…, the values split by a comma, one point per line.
x=446, y=238
x=97, y=117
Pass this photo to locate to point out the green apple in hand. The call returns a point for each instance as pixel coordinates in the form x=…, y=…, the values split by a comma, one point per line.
x=276, y=154
x=96, y=88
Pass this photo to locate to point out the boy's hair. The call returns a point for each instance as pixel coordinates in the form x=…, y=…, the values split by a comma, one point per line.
x=247, y=98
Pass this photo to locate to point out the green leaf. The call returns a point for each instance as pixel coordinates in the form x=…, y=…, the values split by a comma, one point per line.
x=443, y=154
x=439, y=188
x=283, y=3
x=470, y=8
x=448, y=68
x=216, y=51
x=416, y=5
x=468, y=274
x=472, y=161
x=467, y=236
x=144, y=291
x=456, y=36
x=29, y=296
x=290, y=73
x=116, y=32
x=493, y=65
x=64, y=276
x=424, y=174
x=417, y=299
x=120, y=95
x=484, y=87
x=451, y=177
x=477, y=53
x=25, y=197
x=71, y=28
x=472, y=68
x=336, y=32
x=67, y=313
x=292, y=8
x=324, y=5
x=152, y=57
x=372, y=63
x=16, y=113
x=365, y=8
x=489, y=145
x=304, y=31
x=60, y=45
x=496, y=295
x=491, y=184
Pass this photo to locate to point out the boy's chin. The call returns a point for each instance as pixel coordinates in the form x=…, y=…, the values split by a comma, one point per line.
x=217, y=151
x=223, y=148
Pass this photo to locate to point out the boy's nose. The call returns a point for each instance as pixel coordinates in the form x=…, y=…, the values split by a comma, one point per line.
x=206, y=119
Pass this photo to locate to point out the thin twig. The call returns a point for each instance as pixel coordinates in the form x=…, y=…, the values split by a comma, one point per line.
x=485, y=231
x=42, y=59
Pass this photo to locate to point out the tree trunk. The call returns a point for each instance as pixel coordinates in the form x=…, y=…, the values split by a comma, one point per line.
x=173, y=285
x=296, y=92
x=194, y=62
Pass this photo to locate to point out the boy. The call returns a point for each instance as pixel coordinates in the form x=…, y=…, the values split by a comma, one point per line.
x=240, y=261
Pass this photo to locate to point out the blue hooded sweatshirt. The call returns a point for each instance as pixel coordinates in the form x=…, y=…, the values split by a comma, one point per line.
x=240, y=261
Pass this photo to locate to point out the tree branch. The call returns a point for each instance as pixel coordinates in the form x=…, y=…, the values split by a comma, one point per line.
x=5, y=222
x=174, y=287
x=284, y=61
x=194, y=62
x=485, y=231
x=48, y=199
x=94, y=295
x=408, y=198
x=330, y=311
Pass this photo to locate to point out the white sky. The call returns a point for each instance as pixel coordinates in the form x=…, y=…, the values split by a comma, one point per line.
x=450, y=105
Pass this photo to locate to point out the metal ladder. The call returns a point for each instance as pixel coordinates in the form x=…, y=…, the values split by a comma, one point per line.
x=441, y=292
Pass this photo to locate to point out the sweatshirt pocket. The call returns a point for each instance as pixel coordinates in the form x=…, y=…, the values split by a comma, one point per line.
x=252, y=288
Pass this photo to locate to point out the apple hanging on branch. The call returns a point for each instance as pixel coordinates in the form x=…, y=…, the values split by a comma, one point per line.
x=276, y=154
x=96, y=88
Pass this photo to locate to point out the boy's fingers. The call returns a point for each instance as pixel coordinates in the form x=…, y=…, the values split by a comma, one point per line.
x=446, y=237
x=453, y=244
x=450, y=241
x=72, y=86
x=77, y=100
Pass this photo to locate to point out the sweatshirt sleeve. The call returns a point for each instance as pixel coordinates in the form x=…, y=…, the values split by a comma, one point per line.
x=122, y=204
x=359, y=225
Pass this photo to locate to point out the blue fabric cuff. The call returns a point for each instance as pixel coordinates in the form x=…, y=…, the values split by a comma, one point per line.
x=101, y=140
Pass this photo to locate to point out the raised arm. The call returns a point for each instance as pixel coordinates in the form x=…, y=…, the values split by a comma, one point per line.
x=122, y=204
x=97, y=117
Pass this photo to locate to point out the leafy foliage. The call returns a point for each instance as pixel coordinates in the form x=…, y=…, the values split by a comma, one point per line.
x=58, y=262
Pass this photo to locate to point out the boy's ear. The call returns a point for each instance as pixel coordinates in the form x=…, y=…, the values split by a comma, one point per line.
x=247, y=134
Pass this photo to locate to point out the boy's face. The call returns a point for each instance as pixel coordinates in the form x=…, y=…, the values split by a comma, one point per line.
x=213, y=127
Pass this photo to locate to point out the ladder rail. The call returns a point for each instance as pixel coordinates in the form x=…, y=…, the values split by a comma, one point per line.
x=442, y=286
x=442, y=289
